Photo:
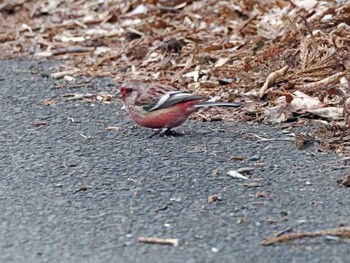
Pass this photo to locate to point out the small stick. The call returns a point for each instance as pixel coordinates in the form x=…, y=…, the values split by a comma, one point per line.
x=87, y=138
x=6, y=37
x=340, y=232
x=160, y=241
x=61, y=74
x=107, y=58
x=262, y=139
x=74, y=49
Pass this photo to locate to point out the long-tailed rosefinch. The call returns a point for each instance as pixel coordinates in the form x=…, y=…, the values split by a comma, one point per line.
x=160, y=106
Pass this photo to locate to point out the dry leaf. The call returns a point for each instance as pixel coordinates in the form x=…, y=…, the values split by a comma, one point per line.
x=304, y=101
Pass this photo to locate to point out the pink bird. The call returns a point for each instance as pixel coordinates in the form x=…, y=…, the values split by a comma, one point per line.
x=160, y=106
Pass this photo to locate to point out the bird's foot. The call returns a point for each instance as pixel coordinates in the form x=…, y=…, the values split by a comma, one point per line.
x=168, y=132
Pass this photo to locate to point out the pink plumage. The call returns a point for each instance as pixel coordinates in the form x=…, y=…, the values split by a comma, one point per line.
x=161, y=106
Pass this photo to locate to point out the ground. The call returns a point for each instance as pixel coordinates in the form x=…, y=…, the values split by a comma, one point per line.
x=131, y=186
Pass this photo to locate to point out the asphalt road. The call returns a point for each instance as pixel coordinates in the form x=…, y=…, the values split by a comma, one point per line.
x=139, y=187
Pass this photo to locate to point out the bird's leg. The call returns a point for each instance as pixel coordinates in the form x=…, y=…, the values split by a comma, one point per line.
x=166, y=132
x=155, y=133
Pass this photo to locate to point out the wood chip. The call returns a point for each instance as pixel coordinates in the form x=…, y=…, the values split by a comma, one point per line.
x=241, y=220
x=252, y=184
x=39, y=123
x=262, y=194
x=68, y=78
x=213, y=198
x=49, y=102
x=113, y=128
x=237, y=175
x=160, y=241
x=344, y=181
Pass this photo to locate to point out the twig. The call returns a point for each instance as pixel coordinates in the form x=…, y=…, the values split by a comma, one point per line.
x=87, y=138
x=74, y=49
x=107, y=58
x=202, y=116
x=160, y=241
x=340, y=232
x=39, y=123
x=262, y=139
x=82, y=188
x=331, y=79
x=6, y=37
x=168, y=8
x=290, y=229
x=61, y=74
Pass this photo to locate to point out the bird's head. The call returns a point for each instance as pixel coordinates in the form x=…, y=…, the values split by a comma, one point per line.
x=129, y=89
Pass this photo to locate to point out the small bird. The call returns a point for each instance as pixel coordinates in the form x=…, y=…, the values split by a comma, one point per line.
x=160, y=106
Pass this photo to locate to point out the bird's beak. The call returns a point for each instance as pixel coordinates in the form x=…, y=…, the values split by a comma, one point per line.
x=118, y=94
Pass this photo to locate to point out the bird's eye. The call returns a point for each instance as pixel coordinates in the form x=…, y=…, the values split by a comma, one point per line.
x=129, y=90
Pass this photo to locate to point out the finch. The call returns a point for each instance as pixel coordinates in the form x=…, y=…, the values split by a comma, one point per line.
x=160, y=106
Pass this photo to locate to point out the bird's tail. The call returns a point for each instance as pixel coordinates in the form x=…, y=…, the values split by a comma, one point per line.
x=213, y=103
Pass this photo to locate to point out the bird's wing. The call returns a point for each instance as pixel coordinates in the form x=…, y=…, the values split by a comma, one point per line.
x=171, y=98
x=156, y=97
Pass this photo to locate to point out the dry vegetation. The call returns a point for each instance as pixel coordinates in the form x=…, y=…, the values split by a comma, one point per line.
x=285, y=60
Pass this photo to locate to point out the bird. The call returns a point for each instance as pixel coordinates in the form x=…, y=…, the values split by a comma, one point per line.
x=160, y=106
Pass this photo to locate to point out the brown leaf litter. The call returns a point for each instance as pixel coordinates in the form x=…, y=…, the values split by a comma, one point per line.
x=284, y=60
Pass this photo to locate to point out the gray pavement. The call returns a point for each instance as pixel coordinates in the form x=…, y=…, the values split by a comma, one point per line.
x=155, y=187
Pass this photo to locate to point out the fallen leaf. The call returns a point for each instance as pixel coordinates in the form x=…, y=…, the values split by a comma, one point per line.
x=276, y=114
